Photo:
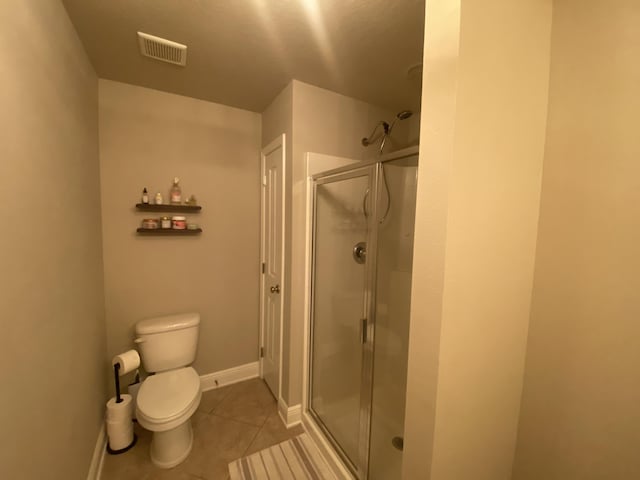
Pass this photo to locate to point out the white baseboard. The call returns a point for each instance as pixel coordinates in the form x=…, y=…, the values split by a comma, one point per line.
x=214, y=380
x=95, y=469
x=291, y=416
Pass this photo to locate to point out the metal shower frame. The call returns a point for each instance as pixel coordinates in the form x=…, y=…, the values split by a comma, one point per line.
x=372, y=169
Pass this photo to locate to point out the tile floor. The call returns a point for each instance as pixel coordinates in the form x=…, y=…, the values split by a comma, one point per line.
x=230, y=423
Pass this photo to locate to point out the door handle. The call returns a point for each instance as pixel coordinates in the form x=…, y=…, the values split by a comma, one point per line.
x=275, y=289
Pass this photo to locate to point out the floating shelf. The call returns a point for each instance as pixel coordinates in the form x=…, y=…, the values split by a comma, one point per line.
x=150, y=207
x=167, y=231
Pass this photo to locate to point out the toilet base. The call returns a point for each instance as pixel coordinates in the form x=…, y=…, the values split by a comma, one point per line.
x=172, y=447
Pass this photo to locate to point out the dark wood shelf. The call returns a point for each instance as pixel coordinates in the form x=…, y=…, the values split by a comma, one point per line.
x=167, y=231
x=150, y=207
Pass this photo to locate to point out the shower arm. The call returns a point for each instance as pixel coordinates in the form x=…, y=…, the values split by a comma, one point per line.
x=366, y=141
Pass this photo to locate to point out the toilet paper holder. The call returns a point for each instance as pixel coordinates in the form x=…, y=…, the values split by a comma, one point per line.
x=116, y=373
x=122, y=432
x=124, y=363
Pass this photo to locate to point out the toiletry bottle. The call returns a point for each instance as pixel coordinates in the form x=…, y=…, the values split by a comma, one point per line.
x=158, y=198
x=175, y=195
x=145, y=196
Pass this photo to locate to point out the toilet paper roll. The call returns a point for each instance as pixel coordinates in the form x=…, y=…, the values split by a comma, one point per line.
x=129, y=361
x=120, y=434
x=120, y=411
x=120, y=440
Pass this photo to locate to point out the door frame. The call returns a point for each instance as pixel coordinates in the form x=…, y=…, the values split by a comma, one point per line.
x=278, y=142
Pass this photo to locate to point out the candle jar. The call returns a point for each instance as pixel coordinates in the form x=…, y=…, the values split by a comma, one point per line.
x=179, y=222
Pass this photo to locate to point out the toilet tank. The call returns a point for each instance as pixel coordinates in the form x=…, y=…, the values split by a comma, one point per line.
x=168, y=342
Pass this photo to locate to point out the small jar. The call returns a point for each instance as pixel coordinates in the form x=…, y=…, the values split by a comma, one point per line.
x=165, y=222
x=150, y=223
x=179, y=222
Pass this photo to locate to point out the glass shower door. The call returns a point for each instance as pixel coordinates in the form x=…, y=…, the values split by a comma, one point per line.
x=394, y=260
x=339, y=392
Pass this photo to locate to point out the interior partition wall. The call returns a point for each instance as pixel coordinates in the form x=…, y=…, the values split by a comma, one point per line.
x=362, y=244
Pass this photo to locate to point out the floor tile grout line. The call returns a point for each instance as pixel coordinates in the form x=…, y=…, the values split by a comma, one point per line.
x=231, y=388
x=259, y=427
x=244, y=453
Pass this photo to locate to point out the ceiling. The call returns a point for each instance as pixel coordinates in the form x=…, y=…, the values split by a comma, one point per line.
x=244, y=52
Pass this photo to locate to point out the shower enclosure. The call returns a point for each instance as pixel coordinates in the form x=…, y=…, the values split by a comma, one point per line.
x=362, y=244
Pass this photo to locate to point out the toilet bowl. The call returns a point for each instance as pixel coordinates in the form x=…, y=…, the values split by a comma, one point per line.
x=166, y=401
x=169, y=397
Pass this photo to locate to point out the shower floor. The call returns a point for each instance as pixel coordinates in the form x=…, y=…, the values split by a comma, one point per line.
x=340, y=416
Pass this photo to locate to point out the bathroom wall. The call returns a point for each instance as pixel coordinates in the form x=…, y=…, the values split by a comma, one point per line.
x=482, y=146
x=53, y=340
x=438, y=115
x=277, y=118
x=146, y=138
x=413, y=134
x=579, y=416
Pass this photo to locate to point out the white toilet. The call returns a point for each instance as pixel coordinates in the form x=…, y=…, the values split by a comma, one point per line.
x=167, y=400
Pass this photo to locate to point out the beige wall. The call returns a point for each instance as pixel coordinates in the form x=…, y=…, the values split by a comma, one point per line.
x=53, y=348
x=579, y=411
x=439, y=90
x=278, y=116
x=146, y=138
x=475, y=235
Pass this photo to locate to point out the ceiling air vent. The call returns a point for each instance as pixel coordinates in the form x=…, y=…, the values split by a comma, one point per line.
x=161, y=49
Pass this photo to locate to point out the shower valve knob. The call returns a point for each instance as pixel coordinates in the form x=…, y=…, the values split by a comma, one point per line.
x=275, y=289
x=360, y=252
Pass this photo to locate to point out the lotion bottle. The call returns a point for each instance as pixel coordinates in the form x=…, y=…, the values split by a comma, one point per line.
x=175, y=195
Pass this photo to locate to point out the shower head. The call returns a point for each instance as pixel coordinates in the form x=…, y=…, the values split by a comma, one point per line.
x=403, y=115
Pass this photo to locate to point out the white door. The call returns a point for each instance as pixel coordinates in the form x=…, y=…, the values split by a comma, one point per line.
x=272, y=263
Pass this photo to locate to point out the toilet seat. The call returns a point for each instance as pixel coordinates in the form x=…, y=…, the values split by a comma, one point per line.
x=167, y=399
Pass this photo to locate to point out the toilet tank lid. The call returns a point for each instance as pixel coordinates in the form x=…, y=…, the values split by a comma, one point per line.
x=167, y=323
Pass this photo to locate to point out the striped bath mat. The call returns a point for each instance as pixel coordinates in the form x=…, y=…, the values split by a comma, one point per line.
x=295, y=459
